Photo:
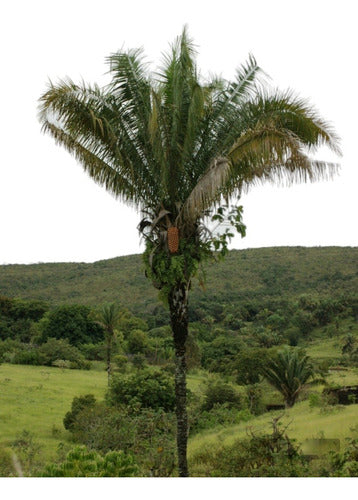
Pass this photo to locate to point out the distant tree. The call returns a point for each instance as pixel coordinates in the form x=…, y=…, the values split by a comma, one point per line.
x=109, y=318
x=288, y=372
x=137, y=342
x=219, y=393
x=349, y=343
x=71, y=322
x=148, y=388
x=247, y=365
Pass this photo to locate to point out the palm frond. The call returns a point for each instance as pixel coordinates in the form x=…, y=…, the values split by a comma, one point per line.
x=207, y=190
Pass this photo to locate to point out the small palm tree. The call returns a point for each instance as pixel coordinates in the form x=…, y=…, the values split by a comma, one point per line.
x=179, y=148
x=109, y=317
x=288, y=372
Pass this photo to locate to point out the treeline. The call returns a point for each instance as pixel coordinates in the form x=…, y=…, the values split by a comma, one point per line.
x=223, y=338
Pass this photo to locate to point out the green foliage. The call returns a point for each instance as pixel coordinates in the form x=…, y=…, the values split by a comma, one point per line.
x=71, y=322
x=137, y=342
x=288, y=372
x=248, y=364
x=121, y=362
x=28, y=355
x=148, y=434
x=219, y=354
x=7, y=468
x=129, y=322
x=221, y=415
x=254, y=399
x=265, y=455
x=55, y=349
x=18, y=309
x=27, y=451
x=95, y=352
x=235, y=280
x=17, y=317
x=81, y=462
x=146, y=388
x=78, y=404
x=218, y=393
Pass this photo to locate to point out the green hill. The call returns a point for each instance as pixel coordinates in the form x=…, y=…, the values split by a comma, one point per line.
x=262, y=273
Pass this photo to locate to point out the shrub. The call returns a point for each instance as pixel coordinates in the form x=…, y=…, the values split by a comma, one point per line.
x=254, y=399
x=7, y=468
x=121, y=362
x=218, y=354
x=28, y=356
x=137, y=342
x=265, y=455
x=55, y=349
x=219, y=393
x=149, y=389
x=78, y=404
x=93, y=352
x=81, y=462
x=148, y=434
x=27, y=452
x=219, y=415
x=138, y=361
x=247, y=365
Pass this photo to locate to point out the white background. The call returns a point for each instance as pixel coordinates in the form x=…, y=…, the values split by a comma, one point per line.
x=51, y=211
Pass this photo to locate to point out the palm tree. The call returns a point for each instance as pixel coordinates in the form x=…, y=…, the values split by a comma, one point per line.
x=288, y=372
x=180, y=148
x=108, y=317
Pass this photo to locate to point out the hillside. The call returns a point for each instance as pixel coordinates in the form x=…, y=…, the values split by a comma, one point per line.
x=245, y=274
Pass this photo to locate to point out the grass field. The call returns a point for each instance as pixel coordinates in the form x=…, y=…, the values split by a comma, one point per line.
x=36, y=398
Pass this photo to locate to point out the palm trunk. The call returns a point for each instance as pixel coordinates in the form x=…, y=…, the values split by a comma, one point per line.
x=109, y=349
x=178, y=306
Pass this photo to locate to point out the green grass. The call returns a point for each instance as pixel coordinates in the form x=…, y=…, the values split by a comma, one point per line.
x=36, y=398
x=302, y=421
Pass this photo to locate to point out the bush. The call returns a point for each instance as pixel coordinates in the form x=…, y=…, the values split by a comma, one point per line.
x=266, y=455
x=81, y=462
x=28, y=356
x=55, y=349
x=137, y=342
x=148, y=434
x=138, y=361
x=27, y=452
x=7, y=468
x=78, y=404
x=219, y=393
x=247, y=365
x=218, y=354
x=149, y=389
x=93, y=352
x=254, y=399
x=121, y=362
x=219, y=415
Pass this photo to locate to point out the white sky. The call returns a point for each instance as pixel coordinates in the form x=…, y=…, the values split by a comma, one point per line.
x=51, y=211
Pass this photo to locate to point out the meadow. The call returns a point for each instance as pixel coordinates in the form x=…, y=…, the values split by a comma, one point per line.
x=36, y=399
